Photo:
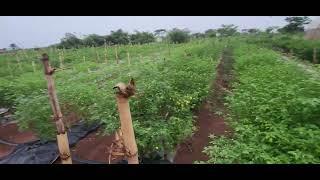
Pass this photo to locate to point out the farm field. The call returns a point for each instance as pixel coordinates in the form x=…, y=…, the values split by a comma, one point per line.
x=238, y=99
x=171, y=82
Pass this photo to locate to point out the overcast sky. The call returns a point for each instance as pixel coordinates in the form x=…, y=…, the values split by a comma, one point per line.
x=38, y=31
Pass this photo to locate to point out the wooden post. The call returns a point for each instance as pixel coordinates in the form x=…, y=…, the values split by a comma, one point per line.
x=128, y=55
x=122, y=95
x=9, y=67
x=62, y=138
x=33, y=66
x=61, y=59
x=140, y=57
x=19, y=63
x=116, y=50
x=315, y=61
x=97, y=54
x=105, y=58
x=105, y=45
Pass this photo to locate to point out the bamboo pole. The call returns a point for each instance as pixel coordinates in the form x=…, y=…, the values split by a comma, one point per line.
x=117, y=58
x=97, y=55
x=61, y=59
x=122, y=95
x=9, y=67
x=128, y=56
x=33, y=66
x=19, y=63
x=315, y=61
x=62, y=138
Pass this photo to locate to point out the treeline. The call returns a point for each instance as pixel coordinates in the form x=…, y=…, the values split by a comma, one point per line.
x=294, y=25
x=119, y=36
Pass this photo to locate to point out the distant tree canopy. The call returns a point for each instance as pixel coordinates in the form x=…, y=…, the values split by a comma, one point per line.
x=178, y=35
x=115, y=37
x=118, y=37
x=141, y=37
x=69, y=40
x=198, y=35
x=13, y=46
x=227, y=30
x=210, y=33
x=160, y=32
x=271, y=29
x=295, y=24
x=251, y=31
x=93, y=40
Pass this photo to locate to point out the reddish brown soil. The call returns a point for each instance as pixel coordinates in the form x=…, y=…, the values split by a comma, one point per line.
x=207, y=122
x=94, y=147
x=5, y=150
x=11, y=134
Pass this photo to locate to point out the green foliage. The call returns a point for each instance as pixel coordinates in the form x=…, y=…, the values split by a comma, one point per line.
x=169, y=88
x=118, y=37
x=210, y=33
x=295, y=24
x=227, y=30
x=141, y=37
x=93, y=40
x=178, y=36
x=297, y=45
x=69, y=41
x=275, y=111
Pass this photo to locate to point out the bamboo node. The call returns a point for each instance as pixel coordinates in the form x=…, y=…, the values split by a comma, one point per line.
x=124, y=90
x=65, y=156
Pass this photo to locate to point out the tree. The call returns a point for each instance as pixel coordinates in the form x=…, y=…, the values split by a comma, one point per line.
x=210, y=33
x=160, y=33
x=118, y=37
x=142, y=37
x=93, y=40
x=272, y=29
x=69, y=41
x=295, y=24
x=251, y=31
x=13, y=46
x=227, y=30
x=198, y=35
x=178, y=36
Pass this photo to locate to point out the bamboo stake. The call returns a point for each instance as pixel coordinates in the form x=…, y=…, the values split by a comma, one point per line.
x=315, y=61
x=9, y=67
x=105, y=45
x=61, y=59
x=128, y=56
x=122, y=95
x=19, y=63
x=105, y=58
x=33, y=66
x=117, y=59
x=62, y=138
x=97, y=55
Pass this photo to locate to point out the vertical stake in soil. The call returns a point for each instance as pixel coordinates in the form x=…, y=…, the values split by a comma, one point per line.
x=116, y=50
x=19, y=63
x=33, y=66
x=123, y=92
x=61, y=59
x=128, y=55
x=84, y=58
x=315, y=61
x=97, y=55
x=62, y=138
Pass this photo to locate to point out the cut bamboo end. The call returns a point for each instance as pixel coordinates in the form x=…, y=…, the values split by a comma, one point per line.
x=127, y=132
x=63, y=145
